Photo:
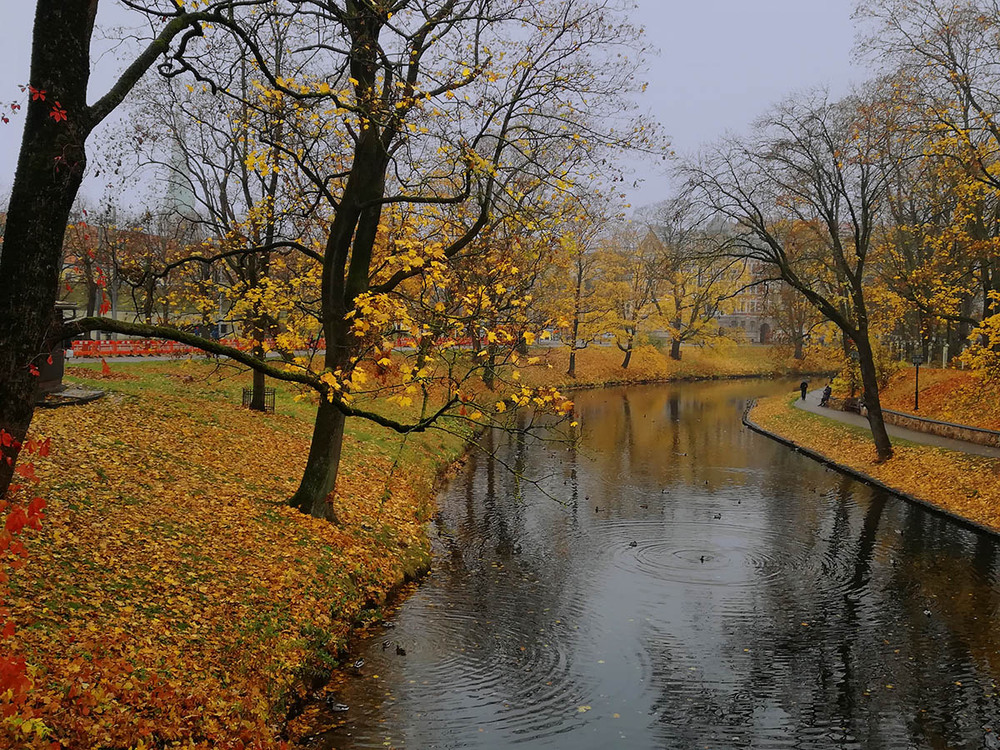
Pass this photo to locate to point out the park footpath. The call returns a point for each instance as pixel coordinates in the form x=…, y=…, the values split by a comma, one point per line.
x=811, y=405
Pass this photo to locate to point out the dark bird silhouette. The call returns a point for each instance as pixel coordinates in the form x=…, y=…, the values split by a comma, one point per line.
x=400, y=651
x=717, y=516
x=633, y=543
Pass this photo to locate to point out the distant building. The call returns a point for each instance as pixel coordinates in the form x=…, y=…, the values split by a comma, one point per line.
x=748, y=313
x=745, y=313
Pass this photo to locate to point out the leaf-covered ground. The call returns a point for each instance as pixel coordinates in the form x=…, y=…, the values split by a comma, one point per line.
x=172, y=599
x=957, y=396
x=170, y=594
x=963, y=484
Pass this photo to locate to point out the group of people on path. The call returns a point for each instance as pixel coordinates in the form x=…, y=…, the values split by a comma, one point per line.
x=824, y=400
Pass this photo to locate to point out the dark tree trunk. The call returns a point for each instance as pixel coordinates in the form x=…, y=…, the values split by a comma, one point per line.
x=93, y=295
x=522, y=347
x=347, y=263
x=490, y=368
x=799, y=352
x=314, y=495
x=49, y=171
x=675, y=349
x=572, y=344
x=628, y=356
x=259, y=382
x=870, y=389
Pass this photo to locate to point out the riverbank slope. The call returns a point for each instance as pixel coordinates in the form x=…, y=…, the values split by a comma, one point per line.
x=965, y=485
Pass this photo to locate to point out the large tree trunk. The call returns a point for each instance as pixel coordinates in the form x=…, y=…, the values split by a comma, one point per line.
x=675, y=349
x=314, y=495
x=799, y=353
x=49, y=171
x=347, y=266
x=870, y=389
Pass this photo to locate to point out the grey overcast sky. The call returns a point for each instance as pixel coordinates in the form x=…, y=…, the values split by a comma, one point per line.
x=721, y=64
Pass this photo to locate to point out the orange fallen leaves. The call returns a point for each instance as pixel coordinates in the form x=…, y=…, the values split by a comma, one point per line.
x=171, y=595
x=601, y=365
x=958, y=396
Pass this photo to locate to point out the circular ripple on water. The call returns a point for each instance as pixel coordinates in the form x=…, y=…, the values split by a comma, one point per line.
x=714, y=553
x=489, y=660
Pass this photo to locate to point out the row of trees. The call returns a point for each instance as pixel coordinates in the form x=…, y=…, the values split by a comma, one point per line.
x=347, y=171
x=881, y=209
x=425, y=167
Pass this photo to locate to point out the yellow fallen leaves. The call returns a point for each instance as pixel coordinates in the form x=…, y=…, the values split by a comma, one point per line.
x=956, y=396
x=963, y=484
x=171, y=595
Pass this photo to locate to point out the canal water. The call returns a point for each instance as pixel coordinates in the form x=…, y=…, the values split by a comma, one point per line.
x=678, y=581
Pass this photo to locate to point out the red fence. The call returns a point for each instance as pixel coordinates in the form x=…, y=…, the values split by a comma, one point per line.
x=145, y=348
x=161, y=348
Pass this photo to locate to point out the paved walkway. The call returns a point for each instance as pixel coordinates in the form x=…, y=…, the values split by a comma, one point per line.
x=811, y=404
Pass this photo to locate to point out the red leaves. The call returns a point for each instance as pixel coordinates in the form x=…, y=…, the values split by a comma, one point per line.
x=15, y=682
x=27, y=471
x=58, y=113
x=17, y=519
x=37, y=94
x=105, y=306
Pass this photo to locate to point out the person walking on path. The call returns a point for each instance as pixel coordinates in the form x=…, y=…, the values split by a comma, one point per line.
x=803, y=387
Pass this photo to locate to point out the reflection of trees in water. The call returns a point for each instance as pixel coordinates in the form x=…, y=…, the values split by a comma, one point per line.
x=691, y=439
x=864, y=595
x=516, y=563
x=859, y=567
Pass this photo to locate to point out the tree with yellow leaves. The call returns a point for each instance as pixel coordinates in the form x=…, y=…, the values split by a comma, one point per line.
x=439, y=110
x=630, y=273
x=694, y=284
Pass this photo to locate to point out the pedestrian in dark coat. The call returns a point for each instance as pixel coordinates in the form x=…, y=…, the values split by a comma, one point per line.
x=803, y=387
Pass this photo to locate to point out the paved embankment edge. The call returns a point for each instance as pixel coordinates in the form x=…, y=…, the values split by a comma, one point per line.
x=862, y=476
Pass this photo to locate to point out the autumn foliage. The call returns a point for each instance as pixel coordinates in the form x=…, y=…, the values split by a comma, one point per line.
x=171, y=595
x=21, y=509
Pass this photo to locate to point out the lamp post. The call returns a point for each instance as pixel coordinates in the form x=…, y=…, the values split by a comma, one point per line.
x=918, y=359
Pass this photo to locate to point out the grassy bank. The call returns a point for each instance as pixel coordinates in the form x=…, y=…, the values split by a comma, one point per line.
x=171, y=596
x=966, y=485
x=601, y=365
x=948, y=395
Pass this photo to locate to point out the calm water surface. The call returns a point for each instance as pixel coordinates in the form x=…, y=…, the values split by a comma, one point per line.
x=696, y=586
